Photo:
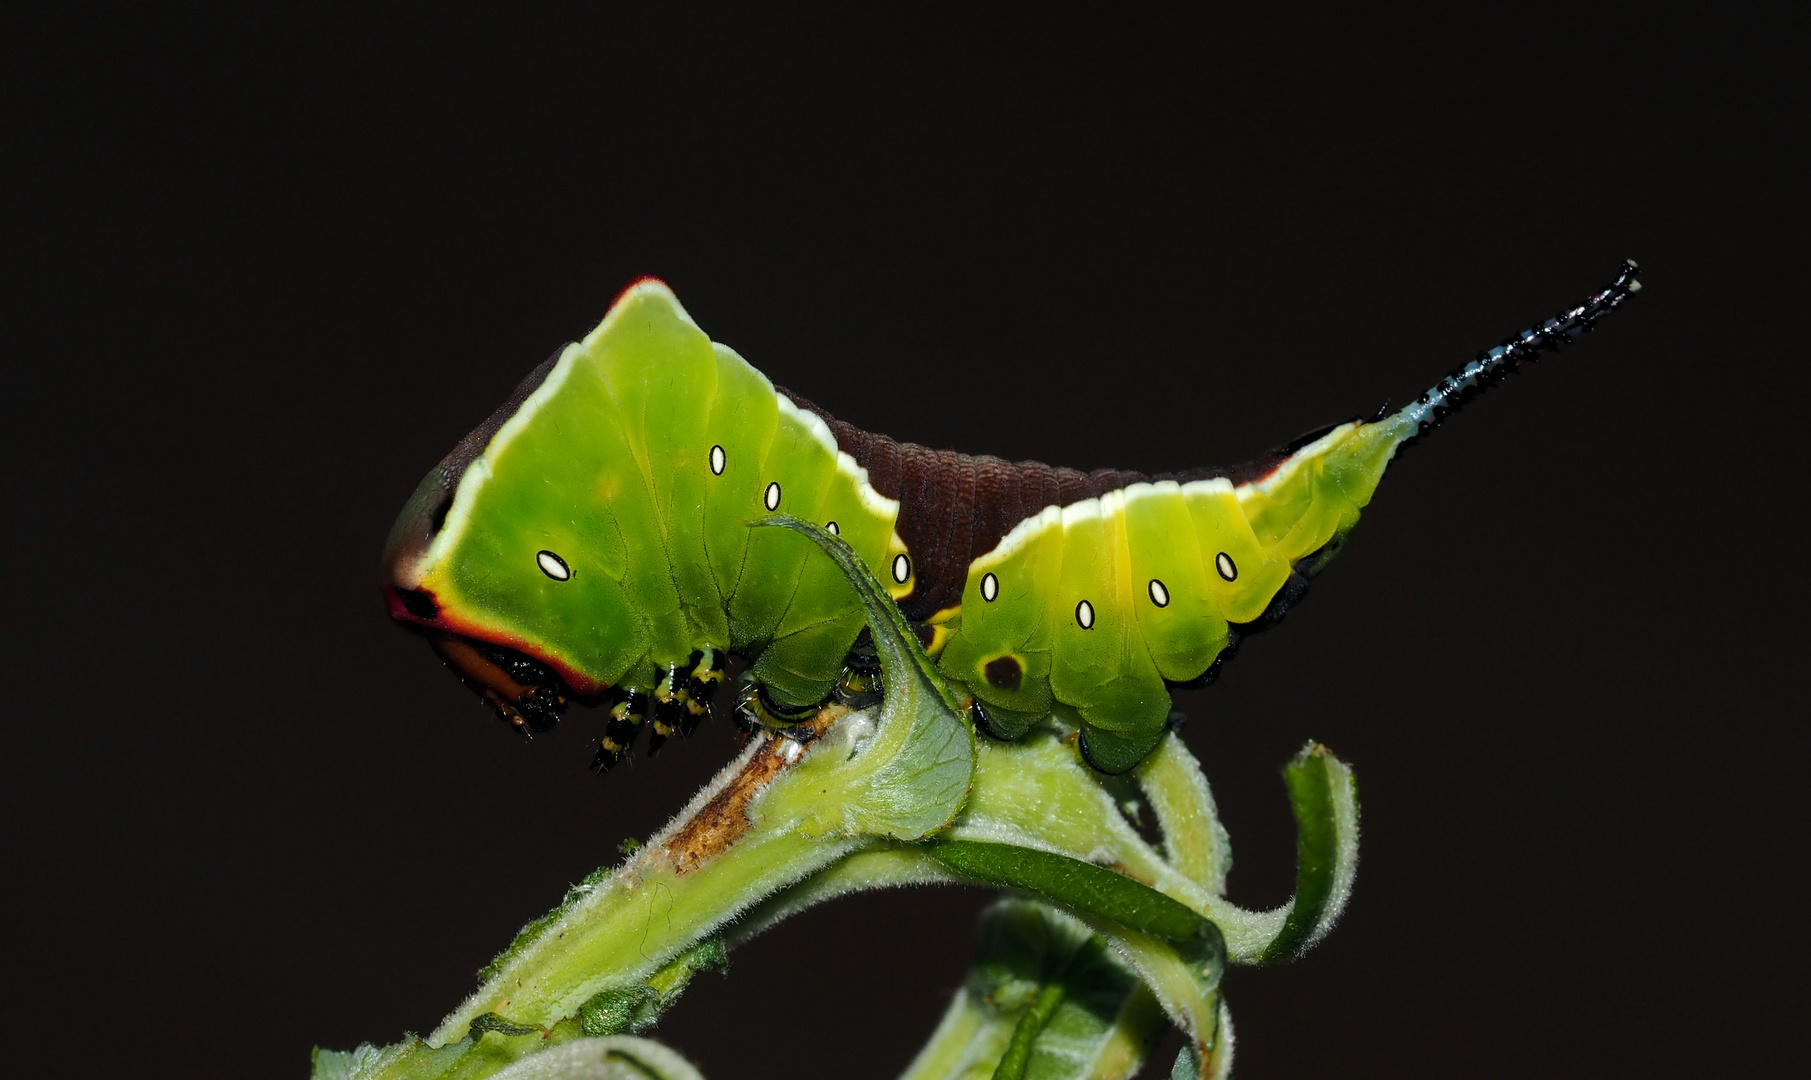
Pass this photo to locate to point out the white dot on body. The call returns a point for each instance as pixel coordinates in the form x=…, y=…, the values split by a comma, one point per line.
x=552, y=565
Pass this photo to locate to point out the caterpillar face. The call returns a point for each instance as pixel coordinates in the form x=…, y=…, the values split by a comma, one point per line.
x=528, y=676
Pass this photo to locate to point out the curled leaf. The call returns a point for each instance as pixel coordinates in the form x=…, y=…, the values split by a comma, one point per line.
x=1194, y=841
x=1325, y=797
x=1185, y=979
x=894, y=639
x=924, y=748
x=1080, y=886
x=1046, y=999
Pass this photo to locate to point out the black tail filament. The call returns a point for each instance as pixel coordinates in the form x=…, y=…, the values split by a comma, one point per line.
x=1489, y=368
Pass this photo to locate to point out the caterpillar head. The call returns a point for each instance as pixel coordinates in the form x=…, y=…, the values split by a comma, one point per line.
x=436, y=585
x=511, y=555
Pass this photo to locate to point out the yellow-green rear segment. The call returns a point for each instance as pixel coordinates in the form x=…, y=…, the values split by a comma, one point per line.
x=1095, y=605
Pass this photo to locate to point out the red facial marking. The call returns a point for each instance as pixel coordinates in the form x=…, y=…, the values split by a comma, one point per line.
x=410, y=609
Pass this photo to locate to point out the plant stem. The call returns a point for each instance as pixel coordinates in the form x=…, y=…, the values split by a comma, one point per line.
x=1025, y=1032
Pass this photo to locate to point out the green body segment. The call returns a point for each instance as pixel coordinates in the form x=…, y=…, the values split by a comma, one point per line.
x=1163, y=569
x=640, y=462
x=644, y=456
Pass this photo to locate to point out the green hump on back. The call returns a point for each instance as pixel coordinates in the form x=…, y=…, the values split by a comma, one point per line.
x=640, y=463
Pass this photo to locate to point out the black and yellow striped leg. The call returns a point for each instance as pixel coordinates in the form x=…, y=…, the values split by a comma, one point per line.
x=669, y=709
x=625, y=723
x=700, y=686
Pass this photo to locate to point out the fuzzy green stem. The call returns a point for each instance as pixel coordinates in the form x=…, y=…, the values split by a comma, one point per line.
x=1025, y=1032
x=904, y=794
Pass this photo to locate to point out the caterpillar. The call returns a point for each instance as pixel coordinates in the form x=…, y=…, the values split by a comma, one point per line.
x=592, y=540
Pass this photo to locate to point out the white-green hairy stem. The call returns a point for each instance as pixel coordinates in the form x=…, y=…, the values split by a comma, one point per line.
x=1097, y=1020
x=1072, y=980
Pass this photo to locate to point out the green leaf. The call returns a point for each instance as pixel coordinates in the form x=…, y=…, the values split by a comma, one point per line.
x=1325, y=797
x=612, y=1012
x=924, y=747
x=1188, y=1064
x=1025, y=1033
x=1081, y=886
x=638, y=1007
x=894, y=638
x=1045, y=999
x=1185, y=980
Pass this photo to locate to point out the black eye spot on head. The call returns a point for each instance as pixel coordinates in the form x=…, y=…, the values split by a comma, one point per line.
x=553, y=566
x=418, y=603
x=1005, y=672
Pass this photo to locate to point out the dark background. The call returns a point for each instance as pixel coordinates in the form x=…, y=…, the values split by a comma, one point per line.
x=261, y=272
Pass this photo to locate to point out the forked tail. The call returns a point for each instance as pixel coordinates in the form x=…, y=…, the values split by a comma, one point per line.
x=1353, y=457
x=1450, y=394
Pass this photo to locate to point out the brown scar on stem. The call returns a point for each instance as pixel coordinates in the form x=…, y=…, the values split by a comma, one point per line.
x=1125, y=871
x=721, y=822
